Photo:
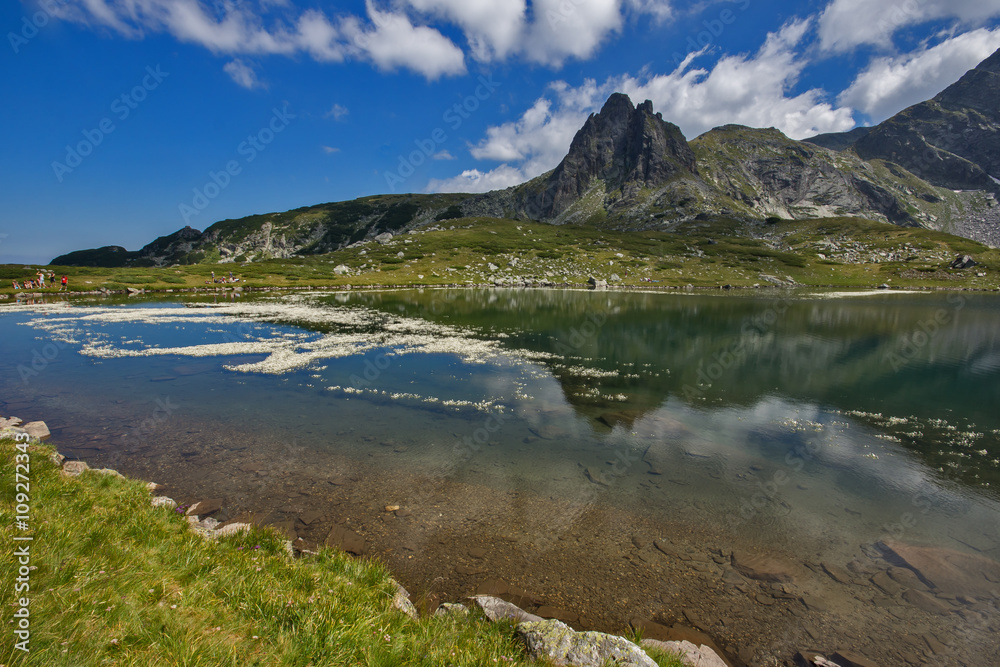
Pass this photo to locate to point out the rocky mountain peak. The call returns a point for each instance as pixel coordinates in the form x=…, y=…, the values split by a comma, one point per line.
x=619, y=146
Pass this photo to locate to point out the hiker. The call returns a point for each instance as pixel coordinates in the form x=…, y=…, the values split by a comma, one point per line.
x=16, y=286
x=41, y=280
x=65, y=284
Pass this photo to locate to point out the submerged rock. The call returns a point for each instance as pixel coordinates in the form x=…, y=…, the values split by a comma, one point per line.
x=946, y=570
x=559, y=643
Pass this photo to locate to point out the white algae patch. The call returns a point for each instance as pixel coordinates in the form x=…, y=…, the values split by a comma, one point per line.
x=352, y=331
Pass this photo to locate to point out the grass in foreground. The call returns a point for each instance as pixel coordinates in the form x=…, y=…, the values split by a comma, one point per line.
x=119, y=582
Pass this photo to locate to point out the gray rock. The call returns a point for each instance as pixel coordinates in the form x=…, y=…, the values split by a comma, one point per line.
x=383, y=238
x=74, y=468
x=341, y=269
x=560, y=644
x=108, y=471
x=205, y=507
x=596, y=282
x=452, y=609
x=962, y=262
x=401, y=601
x=231, y=529
x=494, y=608
x=37, y=430
x=163, y=501
x=691, y=655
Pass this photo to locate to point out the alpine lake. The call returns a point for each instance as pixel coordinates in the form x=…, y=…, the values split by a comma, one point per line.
x=766, y=470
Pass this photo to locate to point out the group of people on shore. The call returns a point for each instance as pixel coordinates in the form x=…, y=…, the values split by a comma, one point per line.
x=38, y=282
x=230, y=279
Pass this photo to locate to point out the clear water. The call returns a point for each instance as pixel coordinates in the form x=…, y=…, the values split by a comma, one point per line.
x=551, y=427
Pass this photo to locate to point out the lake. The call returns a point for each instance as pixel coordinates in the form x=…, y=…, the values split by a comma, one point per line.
x=775, y=469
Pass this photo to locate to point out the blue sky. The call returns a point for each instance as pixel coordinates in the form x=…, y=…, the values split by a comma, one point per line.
x=125, y=120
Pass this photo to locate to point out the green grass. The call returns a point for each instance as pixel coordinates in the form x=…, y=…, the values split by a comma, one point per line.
x=704, y=253
x=119, y=582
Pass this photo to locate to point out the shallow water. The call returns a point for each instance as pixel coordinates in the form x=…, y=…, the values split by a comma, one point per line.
x=563, y=432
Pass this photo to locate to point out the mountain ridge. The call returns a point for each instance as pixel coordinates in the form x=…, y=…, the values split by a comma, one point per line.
x=627, y=168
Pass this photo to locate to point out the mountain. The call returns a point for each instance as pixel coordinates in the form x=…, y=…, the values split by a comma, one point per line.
x=838, y=141
x=952, y=140
x=627, y=168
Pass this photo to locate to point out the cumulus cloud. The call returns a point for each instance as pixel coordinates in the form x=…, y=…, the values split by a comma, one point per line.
x=243, y=74
x=890, y=84
x=387, y=39
x=492, y=27
x=473, y=180
x=747, y=89
x=391, y=35
x=846, y=24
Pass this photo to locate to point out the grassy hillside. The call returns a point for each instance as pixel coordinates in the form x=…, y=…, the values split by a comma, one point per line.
x=846, y=252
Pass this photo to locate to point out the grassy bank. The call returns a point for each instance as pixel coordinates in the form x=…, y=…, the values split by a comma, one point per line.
x=119, y=582
x=845, y=252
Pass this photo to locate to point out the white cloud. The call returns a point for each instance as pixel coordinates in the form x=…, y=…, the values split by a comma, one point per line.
x=243, y=74
x=392, y=34
x=846, y=24
x=337, y=112
x=890, y=84
x=569, y=29
x=443, y=154
x=330, y=150
x=492, y=27
x=387, y=39
x=473, y=180
x=749, y=90
x=395, y=42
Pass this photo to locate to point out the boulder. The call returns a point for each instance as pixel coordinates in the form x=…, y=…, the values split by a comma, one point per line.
x=341, y=269
x=962, y=262
x=383, y=238
x=596, y=282
x=765, y=567
x=37, y=430
x=163, y=501
x=346, y=539
x=691, y=655
x=401, y=601
x=561, y=645
x=231, y=529
x=451, y=609
x=74, y=468
x=496, y=609
x=205, y=507
x=946, y=570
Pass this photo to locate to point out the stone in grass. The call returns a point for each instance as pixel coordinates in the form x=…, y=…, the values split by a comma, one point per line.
x=557, y=642
x=231, y=529
x=496, y=609
x=74, y=468
x=163, y=501
x=108, y=471
x=690, y=655
x=401, y=601
x=451, y=609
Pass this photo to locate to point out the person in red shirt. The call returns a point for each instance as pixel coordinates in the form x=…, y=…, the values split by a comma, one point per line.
x=65, y=283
